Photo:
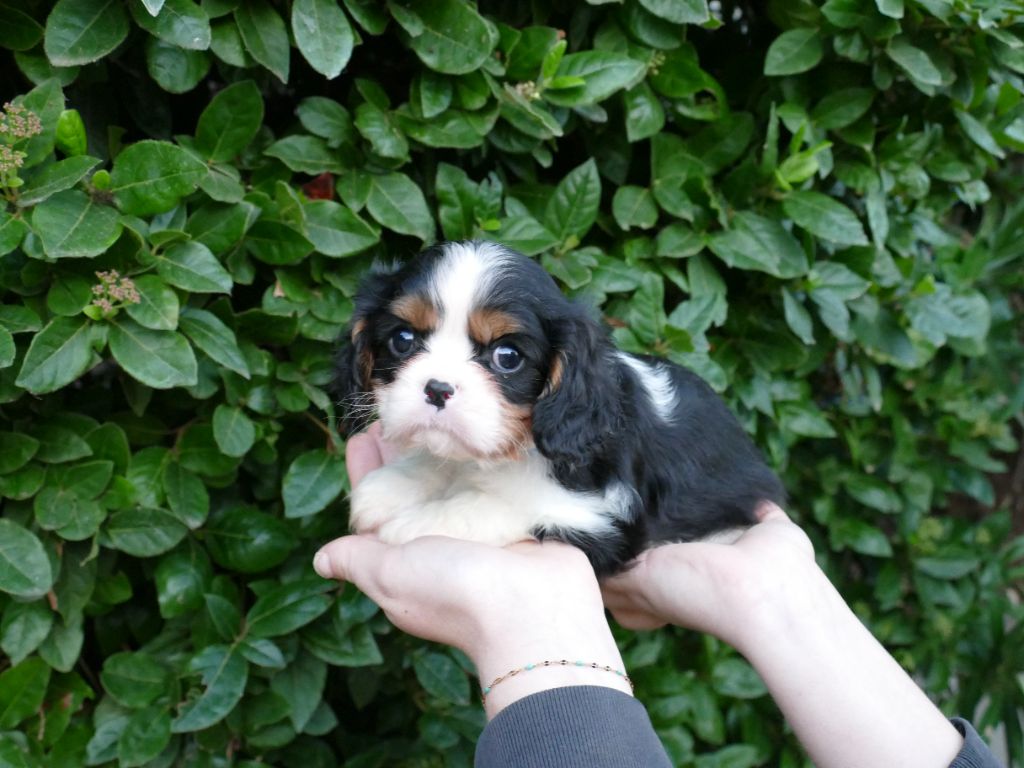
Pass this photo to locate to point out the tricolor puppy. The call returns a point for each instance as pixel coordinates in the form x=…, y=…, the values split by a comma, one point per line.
x=517, y=417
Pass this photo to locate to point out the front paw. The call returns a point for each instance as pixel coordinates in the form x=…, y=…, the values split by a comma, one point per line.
x=378, y=498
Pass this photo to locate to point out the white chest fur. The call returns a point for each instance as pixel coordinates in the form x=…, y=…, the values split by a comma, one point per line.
x=496, y=502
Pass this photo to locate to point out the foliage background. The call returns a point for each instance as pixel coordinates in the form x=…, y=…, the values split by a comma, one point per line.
x=816, y=205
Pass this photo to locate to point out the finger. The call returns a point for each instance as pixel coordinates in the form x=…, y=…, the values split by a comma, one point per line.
x=352, y=558
x=362, y=456
x=388, y=452
x=768, y=511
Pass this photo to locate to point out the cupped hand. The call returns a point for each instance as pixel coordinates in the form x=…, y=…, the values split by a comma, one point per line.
x=505, y=607
x=713, y=587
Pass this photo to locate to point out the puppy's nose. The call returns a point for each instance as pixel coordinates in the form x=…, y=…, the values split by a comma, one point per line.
x=438, y=392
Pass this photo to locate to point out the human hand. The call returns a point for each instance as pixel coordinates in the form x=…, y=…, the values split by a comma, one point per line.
x=504, y=607
x=849, y=702
x=722, y=589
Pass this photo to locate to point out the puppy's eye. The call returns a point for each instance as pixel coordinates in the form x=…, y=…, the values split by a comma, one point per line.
x=401, y=342
x=507, y=359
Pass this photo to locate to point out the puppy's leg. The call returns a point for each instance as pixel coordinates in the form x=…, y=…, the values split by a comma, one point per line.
x=391, y=490
x=468, y=515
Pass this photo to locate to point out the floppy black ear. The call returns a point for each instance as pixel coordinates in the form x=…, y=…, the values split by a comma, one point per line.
x=354, y=360
x=580, y=411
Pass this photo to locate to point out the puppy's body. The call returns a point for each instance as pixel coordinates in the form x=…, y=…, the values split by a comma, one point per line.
x=519, y=418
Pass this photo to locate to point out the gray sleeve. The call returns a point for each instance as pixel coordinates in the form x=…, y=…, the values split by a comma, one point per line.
x=573, y=727
x=974, y=753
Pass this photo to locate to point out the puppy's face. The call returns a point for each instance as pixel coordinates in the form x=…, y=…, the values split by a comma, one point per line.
x=452, y=351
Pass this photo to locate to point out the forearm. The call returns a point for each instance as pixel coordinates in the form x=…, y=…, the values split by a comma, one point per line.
x=848, y=701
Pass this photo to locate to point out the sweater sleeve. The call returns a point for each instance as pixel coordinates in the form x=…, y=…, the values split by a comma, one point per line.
x=974, y=753
x=572, y=727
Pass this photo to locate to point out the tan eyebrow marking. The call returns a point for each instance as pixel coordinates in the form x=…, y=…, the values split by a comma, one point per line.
x=417, y=311
x=486, y=325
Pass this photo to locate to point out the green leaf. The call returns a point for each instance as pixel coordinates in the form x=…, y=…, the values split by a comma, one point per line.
x=645, y=116
x=441, y=677
x=284, y=609
x=265, y=36
x=376, y=126
x=174, y=69
x=146, y=735
x=233, y=430
x=55, y=178
x=634, y=207
x=306, y=154
x=158, y=305
x=914, y=61
x=180, y=577
x=891, y=8
x=193, y=267
x=526, y=235
x=301, y=684
x=224, y=674
x=219, y=227
x=159, y=359
x=12, y=231
x=949, y=568
x=144, y=531
x=323, y=35
x=180, y=23
x=805, y=419
x=572, y=208
x=842, y=108
x=7, y=348
x=58, y=444
x=16, y=449
x=355, y=647
x=397, y=203
x=824, y=217
x=276, y=243
x=225, y=616
x=58, y=355
x=679, y=11
x=449, y=36
x=875, y=493
x=978, y=133
x=603, y=73
x=18, y=30
x=793, y=52
x=797, y=317
x=230, y=121
x=22, y=690
x=152, y=176
x=134, y=679
x=63, y=510
x=735, y=677
x=25, y=626
x=186, y=495
x=24, y=567
x=313, y=481
x=327, y=119
x=262, y=653
x=214, y=338
x=335, y=230
x=249, y=541
x=851, y=533
x=71, y=224
x=82, y=31
x=758, y=243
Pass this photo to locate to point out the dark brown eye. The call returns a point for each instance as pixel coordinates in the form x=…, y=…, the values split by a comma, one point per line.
x=401, y=342
x=507, y=359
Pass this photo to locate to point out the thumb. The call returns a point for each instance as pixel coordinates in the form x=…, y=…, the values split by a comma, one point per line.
x=351, y=558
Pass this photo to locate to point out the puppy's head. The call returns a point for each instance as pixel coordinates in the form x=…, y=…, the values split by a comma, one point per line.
x=470, y=351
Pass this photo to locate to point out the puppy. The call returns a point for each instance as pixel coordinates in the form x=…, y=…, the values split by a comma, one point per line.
x=517, y=417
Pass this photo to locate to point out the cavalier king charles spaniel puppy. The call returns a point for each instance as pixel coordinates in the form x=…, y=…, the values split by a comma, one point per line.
x=516, y=417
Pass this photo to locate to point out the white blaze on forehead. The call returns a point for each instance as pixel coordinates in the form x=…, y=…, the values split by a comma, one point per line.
x=462, y=278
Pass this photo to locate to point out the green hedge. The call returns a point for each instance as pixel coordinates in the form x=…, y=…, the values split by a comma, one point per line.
x=815, y=205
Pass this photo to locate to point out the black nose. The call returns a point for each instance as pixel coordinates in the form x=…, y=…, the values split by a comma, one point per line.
x=437, y=392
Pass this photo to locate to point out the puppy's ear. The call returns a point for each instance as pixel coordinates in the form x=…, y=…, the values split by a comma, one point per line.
x=580, y=410
x=354, y=361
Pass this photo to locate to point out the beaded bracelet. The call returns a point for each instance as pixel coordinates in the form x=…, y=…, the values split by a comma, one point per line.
x=562, y=663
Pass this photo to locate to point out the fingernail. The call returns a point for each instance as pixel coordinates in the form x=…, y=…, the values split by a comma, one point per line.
x=322, y=564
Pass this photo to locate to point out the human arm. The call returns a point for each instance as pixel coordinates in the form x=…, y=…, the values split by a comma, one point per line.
x=847, y=699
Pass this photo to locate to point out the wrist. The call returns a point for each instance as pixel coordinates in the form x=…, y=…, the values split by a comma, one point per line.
x=517, y=662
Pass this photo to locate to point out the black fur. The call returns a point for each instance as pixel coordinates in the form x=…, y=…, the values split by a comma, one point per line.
x=596, y=425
